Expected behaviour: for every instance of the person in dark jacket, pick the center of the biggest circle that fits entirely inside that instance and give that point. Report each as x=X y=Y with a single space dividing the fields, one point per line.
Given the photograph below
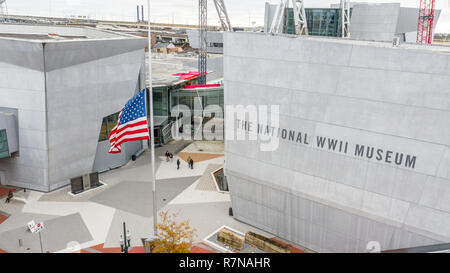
x=9 y=197
x=189 y=162
x=192 y=163
x=178 y=164
x=167 y=156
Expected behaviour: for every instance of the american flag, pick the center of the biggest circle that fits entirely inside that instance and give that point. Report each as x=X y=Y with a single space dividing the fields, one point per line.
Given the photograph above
x=132 y=124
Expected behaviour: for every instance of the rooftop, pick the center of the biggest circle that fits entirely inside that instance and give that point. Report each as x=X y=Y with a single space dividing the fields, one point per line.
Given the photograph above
x=411 y=46
x=165 y=65
x=43 y=33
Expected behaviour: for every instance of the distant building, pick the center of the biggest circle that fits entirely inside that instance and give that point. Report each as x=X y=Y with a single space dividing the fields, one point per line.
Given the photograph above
x=165 y=48
x=214 y=40
x=61 y=89
x=376 y=22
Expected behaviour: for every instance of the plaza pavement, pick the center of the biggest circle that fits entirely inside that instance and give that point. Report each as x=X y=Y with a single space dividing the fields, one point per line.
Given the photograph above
x=91 y=222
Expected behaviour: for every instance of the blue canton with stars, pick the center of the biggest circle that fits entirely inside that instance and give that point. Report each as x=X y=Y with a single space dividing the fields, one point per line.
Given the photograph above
x=134 y=109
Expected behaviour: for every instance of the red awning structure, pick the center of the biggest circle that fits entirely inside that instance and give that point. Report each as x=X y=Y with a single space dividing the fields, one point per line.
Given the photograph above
x=187 y=76
x=201 y=86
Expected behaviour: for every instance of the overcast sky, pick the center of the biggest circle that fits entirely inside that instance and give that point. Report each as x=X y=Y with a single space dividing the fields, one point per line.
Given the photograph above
x=241 y=12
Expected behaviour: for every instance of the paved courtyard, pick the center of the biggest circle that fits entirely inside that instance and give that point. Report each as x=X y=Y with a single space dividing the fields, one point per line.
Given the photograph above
x=91 y=222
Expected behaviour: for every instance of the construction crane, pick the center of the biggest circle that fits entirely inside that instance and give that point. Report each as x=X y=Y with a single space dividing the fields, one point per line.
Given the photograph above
x=203 y=33
x=301 y=26
x=425 y=22
x=278 y=20
x=3 y=8
x=223 y=15
x=345 y=18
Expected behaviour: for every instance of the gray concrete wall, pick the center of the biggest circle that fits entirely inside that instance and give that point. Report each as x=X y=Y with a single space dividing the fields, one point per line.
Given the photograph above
x=382 y=22
x=362 y=93
x=88 y=32
x=269 y=14
x=62 y=91
x=9 y=121
x=105 y=161
x=212 y=37
x=214 y=64
x=377 y=22
x=22 y=86
x=80 y=94
x=408 y=20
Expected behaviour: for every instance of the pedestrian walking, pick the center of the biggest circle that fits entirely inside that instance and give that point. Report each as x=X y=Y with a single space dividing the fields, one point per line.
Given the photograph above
x=9 y=197
x=189 y=162
x=167 y=156
x=192 y=163
x=178 y=164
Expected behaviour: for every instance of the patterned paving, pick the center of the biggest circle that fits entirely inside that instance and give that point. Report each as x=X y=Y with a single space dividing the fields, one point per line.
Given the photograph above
x=56 y=235
x=3 y=216
x=4 y=191
x=137 y=249
x=93 y=221
x=139 y=227
x=198 y=157
x=136 y=197
x=206 y=182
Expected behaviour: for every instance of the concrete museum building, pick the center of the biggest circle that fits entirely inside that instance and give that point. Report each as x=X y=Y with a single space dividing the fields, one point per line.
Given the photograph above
x=61 y=89
x=364 y=140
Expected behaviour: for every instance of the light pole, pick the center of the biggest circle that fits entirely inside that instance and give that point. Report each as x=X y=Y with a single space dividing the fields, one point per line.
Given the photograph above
x=125 y=240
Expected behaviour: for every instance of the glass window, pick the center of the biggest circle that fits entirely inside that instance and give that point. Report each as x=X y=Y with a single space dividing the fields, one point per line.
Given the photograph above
x=107 y=125
x=321 y=22
x=160 y=101
x=4 y=150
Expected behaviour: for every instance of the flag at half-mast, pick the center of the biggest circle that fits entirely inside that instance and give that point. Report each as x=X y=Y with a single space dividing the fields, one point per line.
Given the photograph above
x=132 y=124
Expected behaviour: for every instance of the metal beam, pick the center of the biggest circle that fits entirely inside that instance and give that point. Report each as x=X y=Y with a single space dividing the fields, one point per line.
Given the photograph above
x=223 y=15
x=278 y=20
x=345 y=19
x=3 y=8
x=203 y=50
x=301 y=26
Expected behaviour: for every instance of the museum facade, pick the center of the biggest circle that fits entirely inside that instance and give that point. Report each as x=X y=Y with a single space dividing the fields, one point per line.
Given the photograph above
x=361 y=137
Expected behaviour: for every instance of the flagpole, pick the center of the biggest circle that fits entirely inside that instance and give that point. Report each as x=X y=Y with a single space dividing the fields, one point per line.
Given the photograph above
x=152 y=129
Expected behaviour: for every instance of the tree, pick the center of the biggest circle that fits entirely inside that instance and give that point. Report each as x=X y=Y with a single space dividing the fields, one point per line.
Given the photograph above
x=173 y=237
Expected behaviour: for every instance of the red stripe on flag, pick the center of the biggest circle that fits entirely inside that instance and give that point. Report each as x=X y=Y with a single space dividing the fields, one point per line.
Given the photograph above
x=120 y=135
x=131 y=139
x=138 y=131
x=117 y=131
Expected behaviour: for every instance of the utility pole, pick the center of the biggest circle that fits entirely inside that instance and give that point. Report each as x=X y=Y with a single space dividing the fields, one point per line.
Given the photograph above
x=152 y=126
x=125 y=239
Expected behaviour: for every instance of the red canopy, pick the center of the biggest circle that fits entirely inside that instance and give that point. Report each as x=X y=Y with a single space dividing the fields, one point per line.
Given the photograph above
x=187 y=76
x=201 y=86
